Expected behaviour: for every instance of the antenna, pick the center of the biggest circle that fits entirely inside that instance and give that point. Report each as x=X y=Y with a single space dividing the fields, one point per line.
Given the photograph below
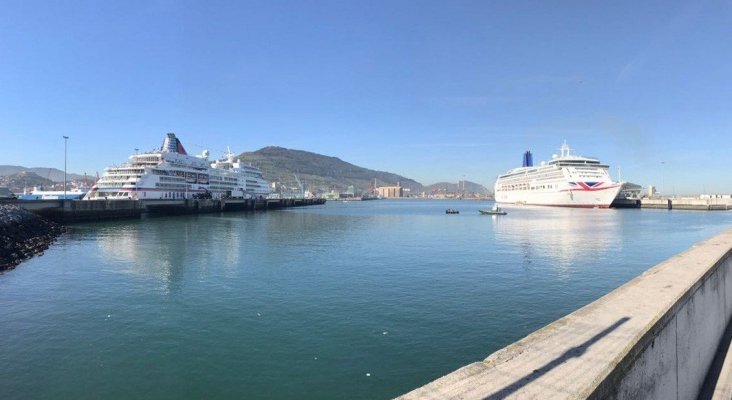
x=565 y=149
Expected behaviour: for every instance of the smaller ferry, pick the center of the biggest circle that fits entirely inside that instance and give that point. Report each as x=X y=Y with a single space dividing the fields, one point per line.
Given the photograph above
x=40 y=194
x=452 y=211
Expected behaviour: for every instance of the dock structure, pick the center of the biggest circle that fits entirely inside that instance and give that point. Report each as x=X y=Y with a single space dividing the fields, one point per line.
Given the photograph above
x=68 y=211
x=675 y=203
x=688 y=203
x=663 y=335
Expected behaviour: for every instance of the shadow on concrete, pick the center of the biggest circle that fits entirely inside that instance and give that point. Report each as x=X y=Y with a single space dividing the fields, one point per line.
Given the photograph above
x=573 y=352
x=715 y=370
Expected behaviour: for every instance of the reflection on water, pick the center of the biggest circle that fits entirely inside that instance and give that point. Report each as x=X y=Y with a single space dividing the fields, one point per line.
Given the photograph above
x=565 y=236
x=169 y=247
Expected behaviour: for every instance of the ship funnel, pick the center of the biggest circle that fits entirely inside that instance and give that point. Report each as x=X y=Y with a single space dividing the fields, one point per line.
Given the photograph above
x=173 y=145
x=528 y=159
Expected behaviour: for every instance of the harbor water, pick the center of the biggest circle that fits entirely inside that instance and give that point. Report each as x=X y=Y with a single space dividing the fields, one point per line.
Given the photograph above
x=356 y=300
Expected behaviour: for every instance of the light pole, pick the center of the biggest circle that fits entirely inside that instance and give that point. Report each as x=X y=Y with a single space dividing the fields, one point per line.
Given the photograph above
x=66 y=140
x=663 y=176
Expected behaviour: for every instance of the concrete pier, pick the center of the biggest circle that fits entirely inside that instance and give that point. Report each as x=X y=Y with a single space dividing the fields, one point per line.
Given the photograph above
x=687 y=203
x=653 y=338
x=67 y=211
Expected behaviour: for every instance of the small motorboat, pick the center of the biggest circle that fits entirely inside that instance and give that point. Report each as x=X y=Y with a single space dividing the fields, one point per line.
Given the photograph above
x=493 y=211
x=451 y=211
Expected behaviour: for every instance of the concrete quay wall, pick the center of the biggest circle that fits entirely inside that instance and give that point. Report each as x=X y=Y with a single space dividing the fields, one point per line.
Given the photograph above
x=688 y=204
x=64 y=211
x=653 y=338
x=67 y=211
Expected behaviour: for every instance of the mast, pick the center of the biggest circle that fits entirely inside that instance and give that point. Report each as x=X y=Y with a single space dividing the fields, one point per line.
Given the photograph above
x=565 y=149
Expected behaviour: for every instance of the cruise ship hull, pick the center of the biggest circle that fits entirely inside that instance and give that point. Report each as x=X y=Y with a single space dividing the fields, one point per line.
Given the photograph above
x=598 y=198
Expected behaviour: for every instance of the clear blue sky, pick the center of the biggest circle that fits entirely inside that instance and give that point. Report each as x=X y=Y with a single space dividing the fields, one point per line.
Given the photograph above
x=435 y=91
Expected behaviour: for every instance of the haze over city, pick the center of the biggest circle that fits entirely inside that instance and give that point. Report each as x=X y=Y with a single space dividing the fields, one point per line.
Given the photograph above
x=434 y=91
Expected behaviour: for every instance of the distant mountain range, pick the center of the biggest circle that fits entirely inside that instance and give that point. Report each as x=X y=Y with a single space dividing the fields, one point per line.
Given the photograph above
x=460 y=187
x=25 y=179
x=323 y=173
x=55 y=175
x=286 y=166
x=320 y=172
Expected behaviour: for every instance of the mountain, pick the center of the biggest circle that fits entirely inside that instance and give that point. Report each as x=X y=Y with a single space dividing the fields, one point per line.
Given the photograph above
x=25 y=179
x=55 y=175
x=460 y=187
x=320 y=173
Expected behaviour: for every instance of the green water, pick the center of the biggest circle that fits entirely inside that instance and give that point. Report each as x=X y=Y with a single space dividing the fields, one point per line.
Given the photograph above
x=360 y=300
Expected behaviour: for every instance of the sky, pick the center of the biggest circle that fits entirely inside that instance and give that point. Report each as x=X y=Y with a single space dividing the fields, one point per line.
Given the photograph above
x=431 y=90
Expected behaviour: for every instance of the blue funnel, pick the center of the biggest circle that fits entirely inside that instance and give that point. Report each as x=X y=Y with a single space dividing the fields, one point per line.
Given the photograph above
x=528 y=159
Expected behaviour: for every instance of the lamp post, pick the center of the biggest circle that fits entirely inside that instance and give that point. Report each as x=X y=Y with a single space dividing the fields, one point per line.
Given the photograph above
x=663 y=175
x=66 y=140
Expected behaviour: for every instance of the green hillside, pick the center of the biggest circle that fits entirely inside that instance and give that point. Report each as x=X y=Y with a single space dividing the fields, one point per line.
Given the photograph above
x=24 y=179
x=460 y=187
x=54 y=174
x=318 y=172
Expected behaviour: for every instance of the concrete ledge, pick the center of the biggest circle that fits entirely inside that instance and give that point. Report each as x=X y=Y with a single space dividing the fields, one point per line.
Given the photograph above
x=656 y=203
x=65 y=211
x=682 y=203
x=653 y=338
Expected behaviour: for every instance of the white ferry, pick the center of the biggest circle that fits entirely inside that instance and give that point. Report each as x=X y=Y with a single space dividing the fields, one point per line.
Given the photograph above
x=38 y=194
x=171 y=173
x=567 y=181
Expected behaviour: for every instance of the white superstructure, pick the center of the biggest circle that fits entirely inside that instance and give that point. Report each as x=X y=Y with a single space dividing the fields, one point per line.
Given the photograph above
x=171 y=173
x=567 y=180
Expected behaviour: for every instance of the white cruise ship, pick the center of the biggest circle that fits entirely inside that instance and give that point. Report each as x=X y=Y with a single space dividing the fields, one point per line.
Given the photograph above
x=566 y=181
x=171 y=173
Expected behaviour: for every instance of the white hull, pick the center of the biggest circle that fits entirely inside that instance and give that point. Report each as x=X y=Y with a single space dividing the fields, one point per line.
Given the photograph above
x=568 y=198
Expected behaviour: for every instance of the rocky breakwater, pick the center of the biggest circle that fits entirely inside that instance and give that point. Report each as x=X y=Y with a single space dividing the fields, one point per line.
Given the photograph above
x=23 y=235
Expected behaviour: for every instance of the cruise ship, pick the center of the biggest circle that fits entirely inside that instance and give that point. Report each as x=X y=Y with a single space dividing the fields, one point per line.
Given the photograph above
x=566 y=181
x=171 y=173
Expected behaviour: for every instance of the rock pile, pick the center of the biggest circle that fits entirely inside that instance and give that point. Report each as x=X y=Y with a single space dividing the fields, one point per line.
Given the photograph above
x=23 y=234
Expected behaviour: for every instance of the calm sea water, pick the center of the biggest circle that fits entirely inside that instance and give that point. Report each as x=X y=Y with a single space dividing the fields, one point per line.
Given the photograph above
x=359 y=300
